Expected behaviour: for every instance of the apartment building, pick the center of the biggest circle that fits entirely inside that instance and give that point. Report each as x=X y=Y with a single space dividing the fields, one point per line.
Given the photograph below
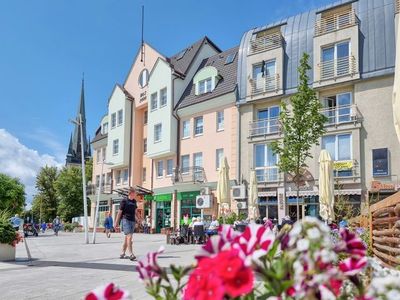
x=352 y=72
x=207 y=134
x=168 y=80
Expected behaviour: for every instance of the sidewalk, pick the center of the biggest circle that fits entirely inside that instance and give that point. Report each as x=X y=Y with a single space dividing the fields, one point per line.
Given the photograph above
x=64 y=267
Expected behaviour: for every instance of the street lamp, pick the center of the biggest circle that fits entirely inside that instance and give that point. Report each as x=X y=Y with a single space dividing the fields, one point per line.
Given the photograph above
x=85 y=212
x=96 y=215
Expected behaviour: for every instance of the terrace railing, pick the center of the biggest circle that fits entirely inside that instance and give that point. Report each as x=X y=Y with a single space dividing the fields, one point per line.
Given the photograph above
x=264 y=84
x=264 y=127
x=335 y=22
x=342 y=66
x=266 y=43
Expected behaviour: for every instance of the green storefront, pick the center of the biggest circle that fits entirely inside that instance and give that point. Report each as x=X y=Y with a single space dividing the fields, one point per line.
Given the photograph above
x=163 y=211
x=188 y=204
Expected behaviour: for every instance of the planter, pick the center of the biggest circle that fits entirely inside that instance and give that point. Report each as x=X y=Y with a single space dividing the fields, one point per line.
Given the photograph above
x=7 y=252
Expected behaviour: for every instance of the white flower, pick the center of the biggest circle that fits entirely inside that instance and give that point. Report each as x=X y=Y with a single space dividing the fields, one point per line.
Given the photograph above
x=303 y=245
x=393 y=295
x=313 y=233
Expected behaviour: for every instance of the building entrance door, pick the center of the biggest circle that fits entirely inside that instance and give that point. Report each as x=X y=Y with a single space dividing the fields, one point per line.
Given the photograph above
x=292 y=211
x=163 y=215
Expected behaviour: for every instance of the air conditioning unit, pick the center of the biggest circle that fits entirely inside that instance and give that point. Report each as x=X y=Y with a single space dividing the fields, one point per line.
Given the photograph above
x=239 y=192
x=205 y=190
x=241 y=205
x=203 y=201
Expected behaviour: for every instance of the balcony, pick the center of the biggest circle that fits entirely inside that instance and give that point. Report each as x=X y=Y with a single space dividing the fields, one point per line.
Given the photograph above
x=335 y=22
x=397 y=6
x=266 y=43
x=264 y=127
x=340 y=67
x=92 y=189
x=264 y=84
x=189 y=175
x=267 y=174
x=341 y=115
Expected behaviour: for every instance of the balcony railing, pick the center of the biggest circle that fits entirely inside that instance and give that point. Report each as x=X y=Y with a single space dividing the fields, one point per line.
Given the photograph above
x=335 y=22
x=92 y=189
x=265 y=43
x=267 y=174
x=340 y=114
x=264 y=84
x=345 y=168
x=338 y=67
x=397 y=8
x=264 y=127
x=189 y=175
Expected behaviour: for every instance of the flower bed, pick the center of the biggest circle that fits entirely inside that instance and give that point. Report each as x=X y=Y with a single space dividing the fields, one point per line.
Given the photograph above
x=302 y=262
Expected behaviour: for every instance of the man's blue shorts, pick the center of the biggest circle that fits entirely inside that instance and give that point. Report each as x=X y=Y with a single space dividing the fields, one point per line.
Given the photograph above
x=128 y=227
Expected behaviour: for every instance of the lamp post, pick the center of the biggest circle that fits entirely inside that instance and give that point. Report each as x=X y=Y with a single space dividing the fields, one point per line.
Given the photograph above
x=85 y=212
x=96 y=215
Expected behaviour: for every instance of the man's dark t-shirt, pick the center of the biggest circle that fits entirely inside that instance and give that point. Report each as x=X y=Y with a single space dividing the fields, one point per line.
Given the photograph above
x=128 y=208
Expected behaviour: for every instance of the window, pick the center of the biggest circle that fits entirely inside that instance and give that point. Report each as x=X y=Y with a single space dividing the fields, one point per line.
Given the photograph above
x=205 y=86
x=219 y=155
x=230 y=58
x=97 y=180
x=143 y=78
x=185 y=162
x=265 y=163
x=339 y=147
x=380 y=162
x=170 y=167
x=118 y=177
x=198 y=126
x=153 y=101
x=267 y=121
x=264 y=76
x=160 y=168
x=144 y=174
x=115 y=146
x=335 y=60
x=145 y=117
x=145 y=145
x=120 y=117
x=338 y=108
x=163 y=97
x=198 y=165
x=157 y=132
x=104 y=154
x=108 y=182
x=113 y=120
x=98 y=155
x=125 y=175
x=105 y=128
x=186 y=129
x=220 y=120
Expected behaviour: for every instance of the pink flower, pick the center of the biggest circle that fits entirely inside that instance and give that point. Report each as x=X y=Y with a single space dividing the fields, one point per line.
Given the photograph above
x=351 y=266
x=218 y=243
x=107 y=292
x=255 y=242
x=148 y=267
x=241 y=283
x=351 y=244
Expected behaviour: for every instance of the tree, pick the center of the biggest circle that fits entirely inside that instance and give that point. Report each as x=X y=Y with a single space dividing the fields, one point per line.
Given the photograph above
x=12 y=194
x=89 y=169
x=302 y=128
x=69 y=191
x=45 y=203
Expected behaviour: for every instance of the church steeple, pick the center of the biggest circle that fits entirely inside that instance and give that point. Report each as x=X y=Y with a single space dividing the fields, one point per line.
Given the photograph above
x=74 y=150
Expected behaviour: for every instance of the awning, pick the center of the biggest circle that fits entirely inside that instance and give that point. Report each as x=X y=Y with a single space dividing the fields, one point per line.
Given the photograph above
x=162 y=197
x=267 y=194
x=139 y=190
x=348 y=192
x=301 y=193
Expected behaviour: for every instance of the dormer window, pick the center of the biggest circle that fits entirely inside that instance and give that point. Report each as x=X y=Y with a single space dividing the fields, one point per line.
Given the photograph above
x=105 y=128
x=266 y=40
x=335 y=19
x=205 y=86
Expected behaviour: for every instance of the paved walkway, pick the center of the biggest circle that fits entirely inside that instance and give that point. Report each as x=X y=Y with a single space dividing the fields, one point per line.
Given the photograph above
x=64 y=267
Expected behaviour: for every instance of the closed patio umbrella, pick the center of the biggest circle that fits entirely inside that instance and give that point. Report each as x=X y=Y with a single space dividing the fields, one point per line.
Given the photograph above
x=253 y=196
x=396 y=86
x=223 y=187
x=325 y=181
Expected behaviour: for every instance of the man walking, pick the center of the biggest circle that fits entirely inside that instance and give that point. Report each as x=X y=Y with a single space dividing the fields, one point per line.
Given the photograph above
x=16 y=222
x=127 y=216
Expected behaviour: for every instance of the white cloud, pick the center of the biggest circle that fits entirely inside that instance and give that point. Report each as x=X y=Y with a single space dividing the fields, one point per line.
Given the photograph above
x=17 y=160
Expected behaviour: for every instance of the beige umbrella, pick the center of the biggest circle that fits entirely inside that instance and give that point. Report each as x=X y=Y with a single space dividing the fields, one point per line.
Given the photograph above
x=326 y=200
x=253 y=196
x=223 y=187
x=396 y=85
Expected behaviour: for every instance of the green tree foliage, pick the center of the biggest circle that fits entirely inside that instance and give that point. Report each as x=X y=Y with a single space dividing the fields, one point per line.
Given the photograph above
x=45 y=203
x=12 y=194
x=89 y=169
x=303 y=125
x=69 y=191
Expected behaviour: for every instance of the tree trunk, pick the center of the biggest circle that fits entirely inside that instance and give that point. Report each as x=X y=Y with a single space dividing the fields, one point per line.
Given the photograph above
x=297 y=202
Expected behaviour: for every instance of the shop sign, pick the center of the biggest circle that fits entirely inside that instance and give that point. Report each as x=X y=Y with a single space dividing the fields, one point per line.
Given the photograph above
x=163 y=197
x=342 y=165
x=188 y=195
x=143 y=96
x=379 y=186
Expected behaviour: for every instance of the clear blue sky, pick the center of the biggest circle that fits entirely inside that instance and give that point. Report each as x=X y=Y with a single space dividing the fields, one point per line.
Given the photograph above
x=47 y=44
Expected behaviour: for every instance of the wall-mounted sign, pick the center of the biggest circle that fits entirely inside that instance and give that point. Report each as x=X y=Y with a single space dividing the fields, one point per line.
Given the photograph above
x=380 y=162
x=342 y=165
x=143 y=96
x=379 y=186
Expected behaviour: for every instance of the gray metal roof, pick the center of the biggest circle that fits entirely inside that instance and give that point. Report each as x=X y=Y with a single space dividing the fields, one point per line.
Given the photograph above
x=377 y=41
x=226 y=84
x=99 y=136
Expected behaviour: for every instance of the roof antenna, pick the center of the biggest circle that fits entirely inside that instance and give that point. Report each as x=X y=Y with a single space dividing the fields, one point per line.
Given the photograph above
x=142 y=46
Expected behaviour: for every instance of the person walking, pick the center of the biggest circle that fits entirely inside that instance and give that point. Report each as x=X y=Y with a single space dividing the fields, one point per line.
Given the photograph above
x=108 y=224
x=43 y=226
x=127 y=216
x=56 y=225
x=16 y=222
